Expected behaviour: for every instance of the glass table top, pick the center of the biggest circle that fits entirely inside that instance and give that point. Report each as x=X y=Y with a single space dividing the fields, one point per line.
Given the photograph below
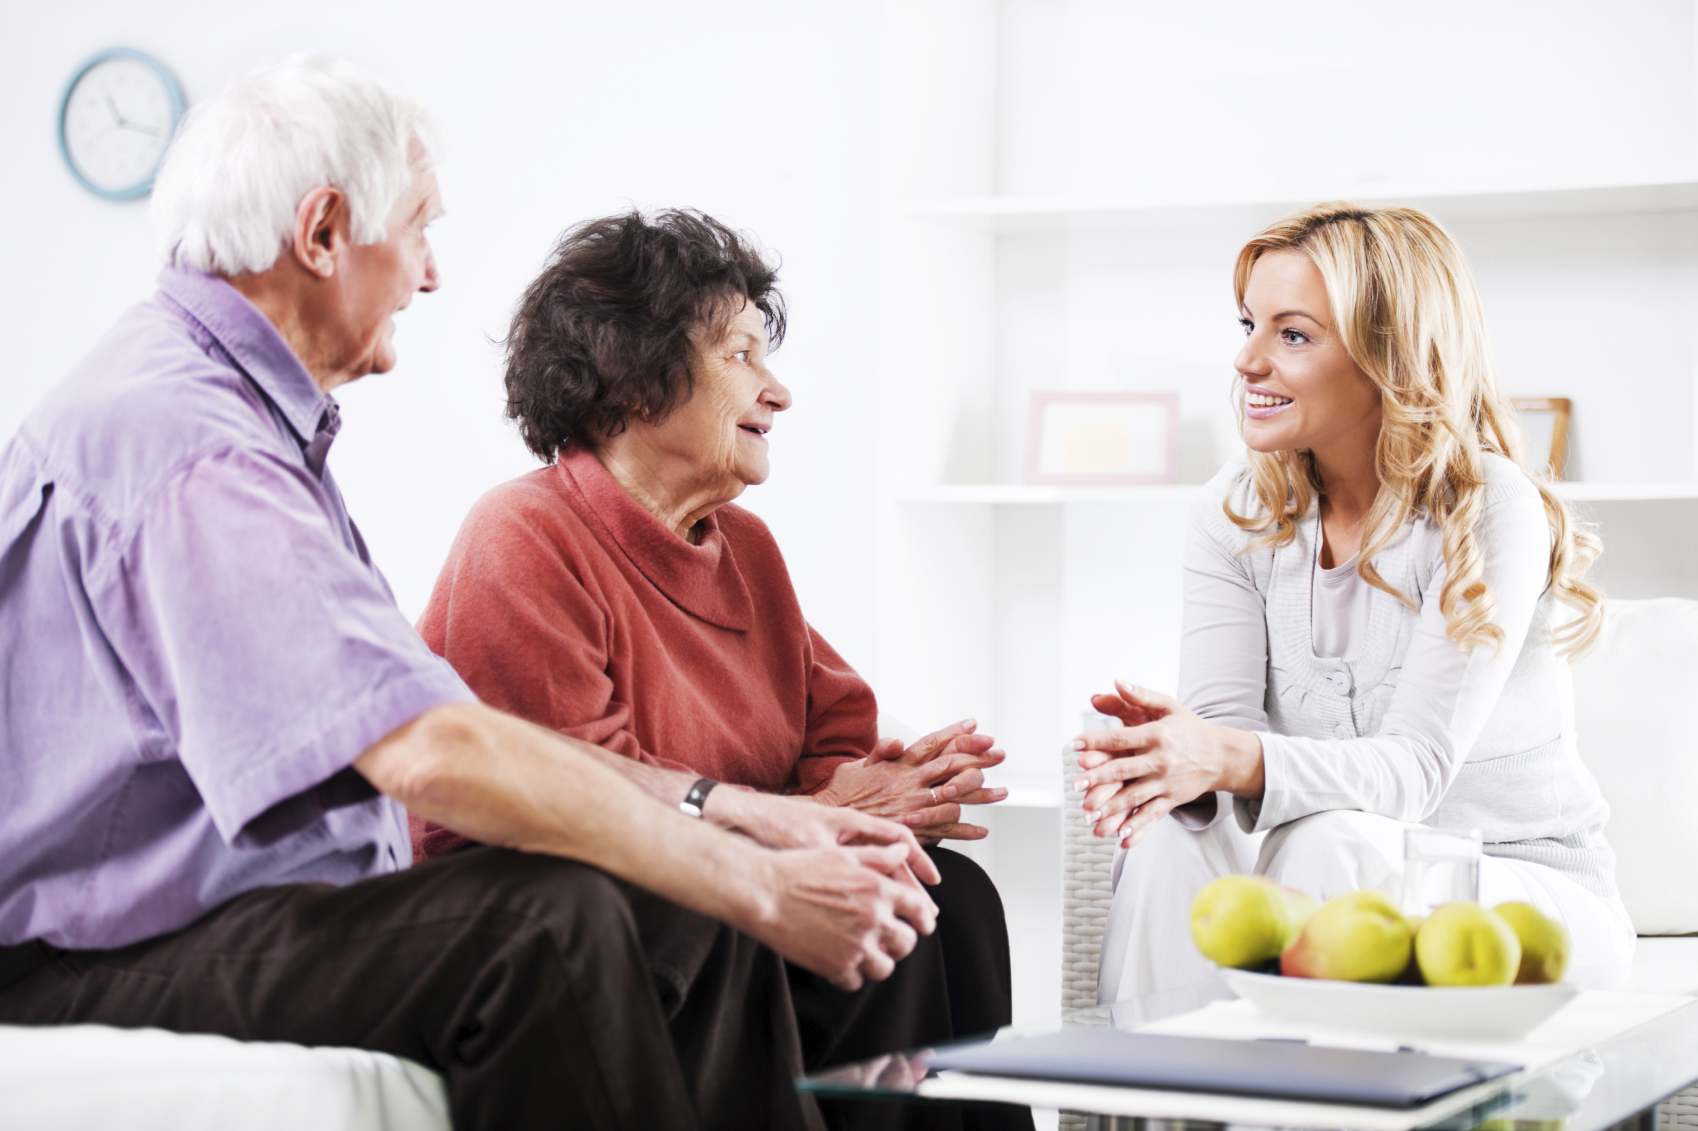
x=1593 y=1090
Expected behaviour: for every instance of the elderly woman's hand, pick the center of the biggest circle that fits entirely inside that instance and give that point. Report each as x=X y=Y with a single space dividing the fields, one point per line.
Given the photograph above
x=924 y=785
x=1164 y=757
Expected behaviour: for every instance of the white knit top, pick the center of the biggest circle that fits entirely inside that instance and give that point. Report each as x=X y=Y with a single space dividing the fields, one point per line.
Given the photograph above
x=1405 y=723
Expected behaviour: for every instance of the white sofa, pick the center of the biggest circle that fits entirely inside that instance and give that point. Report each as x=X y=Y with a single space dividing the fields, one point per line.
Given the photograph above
x=1630 y=695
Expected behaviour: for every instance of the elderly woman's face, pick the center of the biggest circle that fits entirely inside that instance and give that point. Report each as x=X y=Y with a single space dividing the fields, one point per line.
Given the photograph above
x=721 y=430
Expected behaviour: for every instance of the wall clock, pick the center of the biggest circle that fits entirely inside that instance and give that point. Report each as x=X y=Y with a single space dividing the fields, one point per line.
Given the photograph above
x=118 y=114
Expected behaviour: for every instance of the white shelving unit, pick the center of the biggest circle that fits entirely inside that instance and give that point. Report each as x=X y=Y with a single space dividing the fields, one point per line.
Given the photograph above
x=1017 y=214
x=1046 y=227
x=1049 y=495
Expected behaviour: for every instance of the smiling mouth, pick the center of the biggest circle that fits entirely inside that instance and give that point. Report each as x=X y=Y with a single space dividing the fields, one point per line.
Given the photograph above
x=1265 y=400
x=756 y=429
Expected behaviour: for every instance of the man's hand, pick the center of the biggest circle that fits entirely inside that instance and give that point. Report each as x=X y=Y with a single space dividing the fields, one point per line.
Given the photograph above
x=792 y=822
x=924 y=785
x=1164 y=757
x=847 y=914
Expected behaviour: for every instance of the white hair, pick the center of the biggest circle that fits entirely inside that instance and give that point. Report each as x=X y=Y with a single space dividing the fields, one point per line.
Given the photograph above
x=225 y=198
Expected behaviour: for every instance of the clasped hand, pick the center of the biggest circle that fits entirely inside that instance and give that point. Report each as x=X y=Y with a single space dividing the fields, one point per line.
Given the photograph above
x=924 y=785
x=1164 y=756
x=846 y=902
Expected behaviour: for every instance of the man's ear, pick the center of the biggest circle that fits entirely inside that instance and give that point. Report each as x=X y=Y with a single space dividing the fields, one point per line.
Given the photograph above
x=321 y=230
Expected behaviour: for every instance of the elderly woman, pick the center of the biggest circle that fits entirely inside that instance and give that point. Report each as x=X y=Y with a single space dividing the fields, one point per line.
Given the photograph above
x=1380 y=600
x=617 y=595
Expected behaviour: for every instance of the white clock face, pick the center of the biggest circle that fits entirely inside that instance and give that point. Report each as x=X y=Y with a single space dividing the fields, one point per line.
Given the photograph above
x=117 y=121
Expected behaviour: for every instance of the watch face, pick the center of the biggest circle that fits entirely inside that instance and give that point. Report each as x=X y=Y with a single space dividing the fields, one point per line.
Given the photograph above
x=116 y=120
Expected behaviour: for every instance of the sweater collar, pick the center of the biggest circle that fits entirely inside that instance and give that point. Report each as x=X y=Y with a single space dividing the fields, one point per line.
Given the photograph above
x=703 y=580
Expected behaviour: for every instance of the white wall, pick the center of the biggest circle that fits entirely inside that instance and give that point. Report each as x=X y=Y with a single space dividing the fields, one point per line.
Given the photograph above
x=759 y=111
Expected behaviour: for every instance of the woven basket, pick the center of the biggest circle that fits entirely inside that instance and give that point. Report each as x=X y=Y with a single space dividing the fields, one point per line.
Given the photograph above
x=1086 y=890
x=1678 y=1111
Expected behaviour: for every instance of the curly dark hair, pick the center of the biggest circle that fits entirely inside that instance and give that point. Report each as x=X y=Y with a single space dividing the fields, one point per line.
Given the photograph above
x=606 y=330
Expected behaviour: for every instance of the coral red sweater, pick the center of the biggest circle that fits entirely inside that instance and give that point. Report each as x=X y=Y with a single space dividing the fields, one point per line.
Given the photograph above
x=566 y=603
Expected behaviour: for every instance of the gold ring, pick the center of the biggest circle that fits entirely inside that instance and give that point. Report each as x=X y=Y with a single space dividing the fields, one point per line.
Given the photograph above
x=934 y=795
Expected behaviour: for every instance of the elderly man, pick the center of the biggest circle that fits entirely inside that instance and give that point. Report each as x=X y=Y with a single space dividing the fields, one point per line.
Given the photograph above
x=213 y=712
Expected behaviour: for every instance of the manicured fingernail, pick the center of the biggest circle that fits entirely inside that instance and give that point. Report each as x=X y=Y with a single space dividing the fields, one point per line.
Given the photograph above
x=969 y=722
x=1078 y=744
x=1091 y=815
x=999 y=793
x=1083 y=785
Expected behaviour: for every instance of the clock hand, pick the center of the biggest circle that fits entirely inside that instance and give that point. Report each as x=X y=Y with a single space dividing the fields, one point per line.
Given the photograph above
x=129 y=125
x=113 y=106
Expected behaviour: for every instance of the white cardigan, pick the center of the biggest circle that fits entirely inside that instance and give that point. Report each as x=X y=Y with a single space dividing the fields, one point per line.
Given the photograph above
x=1408 y=726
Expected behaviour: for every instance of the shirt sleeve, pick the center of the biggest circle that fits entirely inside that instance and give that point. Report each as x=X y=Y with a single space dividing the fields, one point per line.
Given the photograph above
x=842 y=717
x=528 y=633
x=266 y=652
x=1444 y=696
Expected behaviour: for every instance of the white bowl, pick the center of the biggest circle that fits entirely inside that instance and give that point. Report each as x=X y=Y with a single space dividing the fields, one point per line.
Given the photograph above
x=1460 y=1013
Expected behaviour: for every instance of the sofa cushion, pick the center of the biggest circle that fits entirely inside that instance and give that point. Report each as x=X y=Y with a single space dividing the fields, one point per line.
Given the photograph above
x=82 y=1077
x=1631 y=695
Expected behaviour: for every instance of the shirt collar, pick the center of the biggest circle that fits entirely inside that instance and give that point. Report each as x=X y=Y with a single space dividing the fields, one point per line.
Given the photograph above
x=254 y=344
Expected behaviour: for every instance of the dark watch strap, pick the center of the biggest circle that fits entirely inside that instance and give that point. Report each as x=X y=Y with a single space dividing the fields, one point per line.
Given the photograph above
x=693 y=801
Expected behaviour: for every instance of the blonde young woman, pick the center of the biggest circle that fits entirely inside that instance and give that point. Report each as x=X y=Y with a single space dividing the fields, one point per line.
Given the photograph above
x=1380 y=604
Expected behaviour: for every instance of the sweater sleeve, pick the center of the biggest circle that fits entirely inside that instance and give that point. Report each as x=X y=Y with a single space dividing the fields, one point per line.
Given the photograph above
x=1444 y=695
x=842 y=717
x=528 y=633
x=1223 y=649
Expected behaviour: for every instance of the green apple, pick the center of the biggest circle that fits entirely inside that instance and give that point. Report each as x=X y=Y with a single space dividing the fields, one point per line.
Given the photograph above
x=1463 y=944
x=1358 y=937
x=1544 y=943
x=1245 y=921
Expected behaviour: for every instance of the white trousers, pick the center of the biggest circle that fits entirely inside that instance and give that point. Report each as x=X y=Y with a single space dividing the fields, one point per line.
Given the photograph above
x=1149 y=963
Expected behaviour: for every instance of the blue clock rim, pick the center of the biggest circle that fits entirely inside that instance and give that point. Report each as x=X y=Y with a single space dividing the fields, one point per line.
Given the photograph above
x=178 y=105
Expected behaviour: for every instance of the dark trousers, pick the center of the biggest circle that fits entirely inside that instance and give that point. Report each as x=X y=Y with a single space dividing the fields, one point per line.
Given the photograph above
x=956 y=984
x=546 y=993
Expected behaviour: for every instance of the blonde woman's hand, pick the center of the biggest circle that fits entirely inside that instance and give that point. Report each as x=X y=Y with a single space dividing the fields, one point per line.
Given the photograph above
x=1163 y=757
x=923 y=786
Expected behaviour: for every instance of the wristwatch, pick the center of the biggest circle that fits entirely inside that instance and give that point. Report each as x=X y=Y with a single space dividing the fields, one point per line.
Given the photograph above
x=693 y=801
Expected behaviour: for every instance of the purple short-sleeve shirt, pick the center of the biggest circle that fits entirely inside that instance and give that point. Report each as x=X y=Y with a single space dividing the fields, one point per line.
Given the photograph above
x=194 y=643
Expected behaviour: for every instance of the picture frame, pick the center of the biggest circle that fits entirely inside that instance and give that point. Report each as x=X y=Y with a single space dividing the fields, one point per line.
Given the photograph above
x=1102 y=438
x=1544 y=423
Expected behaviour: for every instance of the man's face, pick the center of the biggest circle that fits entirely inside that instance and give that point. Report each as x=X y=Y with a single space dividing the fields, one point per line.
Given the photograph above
x=380 y=278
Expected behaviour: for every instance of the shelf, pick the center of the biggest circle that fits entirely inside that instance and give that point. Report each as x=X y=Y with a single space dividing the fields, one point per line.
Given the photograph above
x=1626 y=492
x=1058 y=213
x=1027 y=797
x=1047 y=494
x=1187 y=493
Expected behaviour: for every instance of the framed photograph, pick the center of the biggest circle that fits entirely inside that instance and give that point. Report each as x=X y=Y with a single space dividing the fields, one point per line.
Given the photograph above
x=1103 y=438
x=1544 y=422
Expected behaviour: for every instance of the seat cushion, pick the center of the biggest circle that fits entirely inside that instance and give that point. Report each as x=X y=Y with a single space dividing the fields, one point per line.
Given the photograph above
x=1631 y=695
x=94 y=1078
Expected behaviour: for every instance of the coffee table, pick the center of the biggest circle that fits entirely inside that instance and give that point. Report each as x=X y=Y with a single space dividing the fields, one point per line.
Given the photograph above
x=1616 y=1083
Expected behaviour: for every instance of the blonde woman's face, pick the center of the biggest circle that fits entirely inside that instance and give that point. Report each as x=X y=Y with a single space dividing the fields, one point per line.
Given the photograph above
x=1301 y=388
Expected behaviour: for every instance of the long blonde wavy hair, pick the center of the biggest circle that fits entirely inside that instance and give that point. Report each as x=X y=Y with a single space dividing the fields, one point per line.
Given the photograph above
x=1404 y=302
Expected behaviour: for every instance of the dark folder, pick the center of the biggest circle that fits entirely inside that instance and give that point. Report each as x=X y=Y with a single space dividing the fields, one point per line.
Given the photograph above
x=1280 y=1069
